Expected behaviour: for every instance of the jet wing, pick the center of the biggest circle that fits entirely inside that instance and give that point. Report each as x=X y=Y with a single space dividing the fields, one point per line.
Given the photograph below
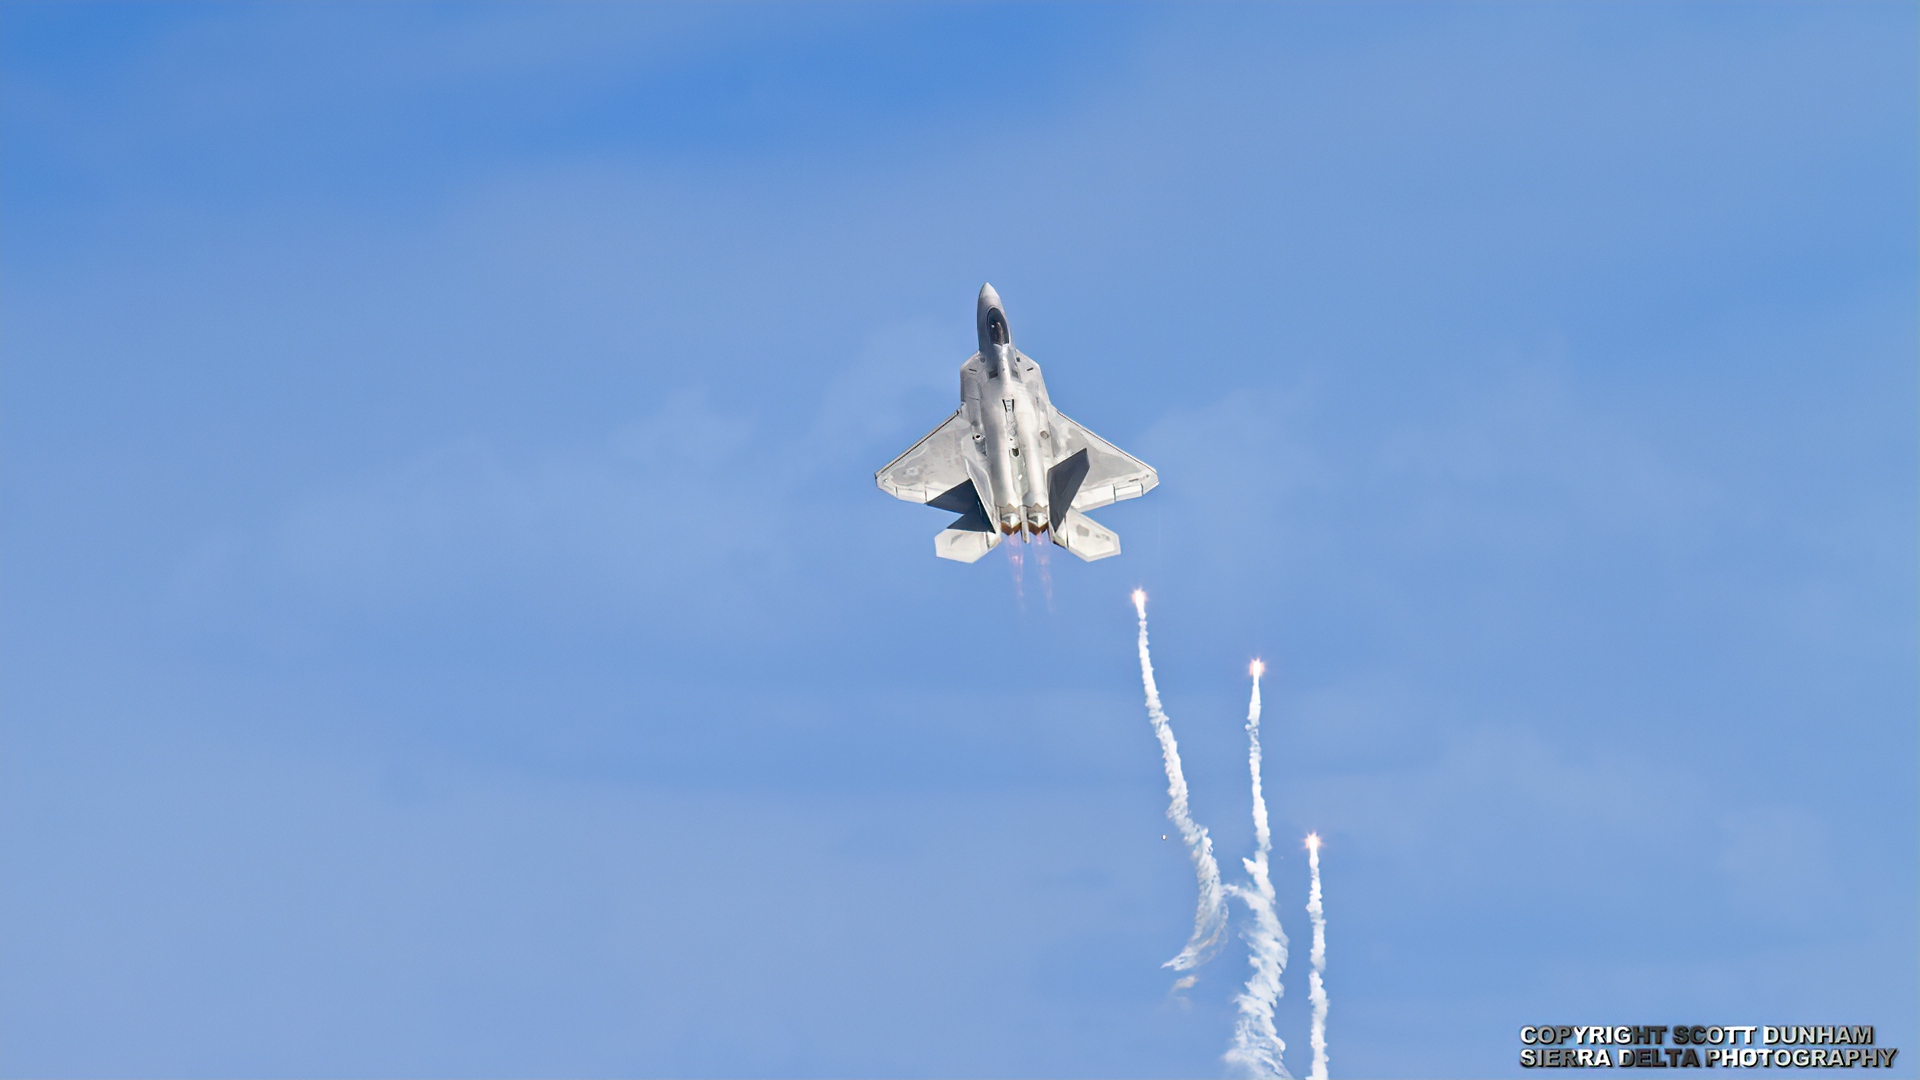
x=1112 y=474
x=934 y=466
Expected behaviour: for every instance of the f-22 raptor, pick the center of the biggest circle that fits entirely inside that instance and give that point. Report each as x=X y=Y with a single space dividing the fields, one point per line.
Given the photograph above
x=1009 y=463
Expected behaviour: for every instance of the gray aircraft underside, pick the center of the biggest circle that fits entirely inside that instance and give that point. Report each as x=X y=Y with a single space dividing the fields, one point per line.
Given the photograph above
x=1008 y=462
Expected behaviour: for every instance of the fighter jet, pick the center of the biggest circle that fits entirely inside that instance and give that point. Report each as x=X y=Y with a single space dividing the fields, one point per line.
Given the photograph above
x=1009 y=463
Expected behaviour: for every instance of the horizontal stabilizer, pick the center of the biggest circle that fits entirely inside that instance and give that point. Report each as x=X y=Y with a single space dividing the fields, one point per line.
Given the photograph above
x=964 y=545
x=1086 y=537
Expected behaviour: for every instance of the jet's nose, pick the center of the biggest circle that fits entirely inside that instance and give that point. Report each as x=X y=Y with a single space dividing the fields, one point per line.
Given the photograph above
x=991 y=319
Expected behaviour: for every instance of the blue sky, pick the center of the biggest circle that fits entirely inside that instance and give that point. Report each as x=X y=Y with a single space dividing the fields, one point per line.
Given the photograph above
x=449 y=627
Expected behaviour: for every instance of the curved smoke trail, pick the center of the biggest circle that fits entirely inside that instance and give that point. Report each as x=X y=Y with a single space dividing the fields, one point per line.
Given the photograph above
x=1257 y=1046
x=1317 y=992
x=1210 y=917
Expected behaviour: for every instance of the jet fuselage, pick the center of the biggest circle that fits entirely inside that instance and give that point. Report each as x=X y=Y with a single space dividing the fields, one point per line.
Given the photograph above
x=1005 y=401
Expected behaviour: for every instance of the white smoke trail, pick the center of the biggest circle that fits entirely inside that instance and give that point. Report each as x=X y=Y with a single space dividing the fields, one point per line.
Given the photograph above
x=1317 y=991
x=1257 y=1046
x=1210 y=917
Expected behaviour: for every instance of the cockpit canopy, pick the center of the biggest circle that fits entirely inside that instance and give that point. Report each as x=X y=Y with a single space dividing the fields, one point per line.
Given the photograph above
x=997 y=328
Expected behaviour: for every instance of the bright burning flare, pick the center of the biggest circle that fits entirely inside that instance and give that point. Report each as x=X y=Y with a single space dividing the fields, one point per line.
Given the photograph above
x=1140 y=602
x=1313 y=841
x=1257 y=668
